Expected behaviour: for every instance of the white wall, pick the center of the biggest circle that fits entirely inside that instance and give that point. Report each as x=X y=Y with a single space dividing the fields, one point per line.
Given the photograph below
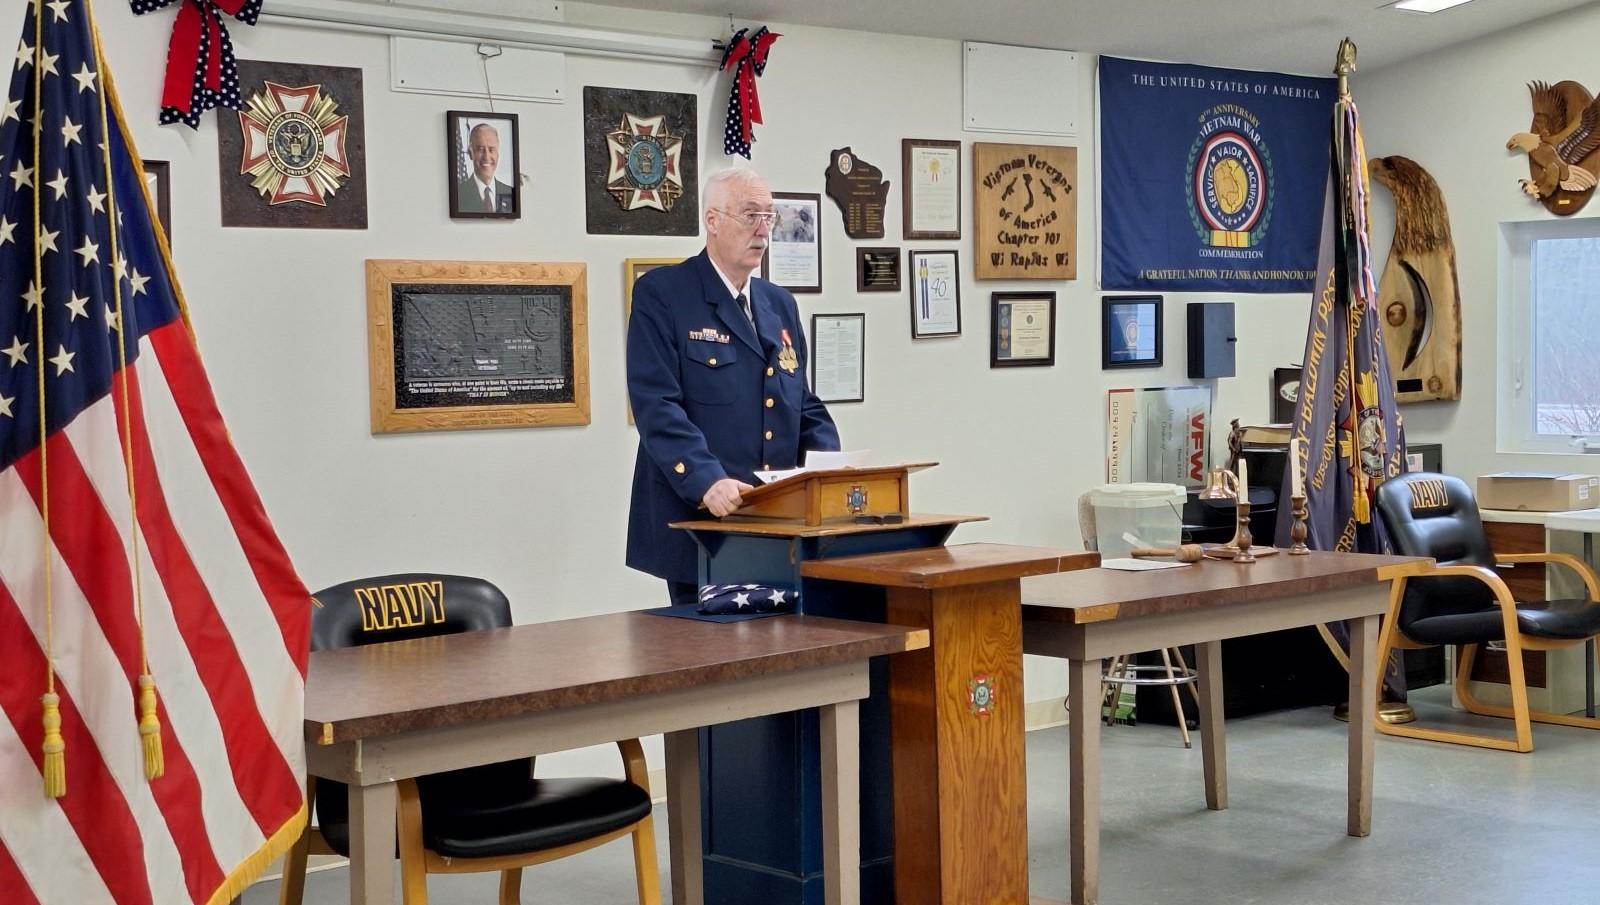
x=280 y=316
x=1451 y=112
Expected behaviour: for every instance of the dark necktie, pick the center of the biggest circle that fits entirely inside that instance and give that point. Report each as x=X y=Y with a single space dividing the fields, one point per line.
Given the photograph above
x=744 y=305
x=488 y=200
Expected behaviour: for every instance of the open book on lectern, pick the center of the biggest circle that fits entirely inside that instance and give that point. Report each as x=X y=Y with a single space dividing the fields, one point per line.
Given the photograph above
x=824 y=490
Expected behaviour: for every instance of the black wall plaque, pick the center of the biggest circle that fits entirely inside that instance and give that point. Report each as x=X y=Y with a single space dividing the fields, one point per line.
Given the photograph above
x=614 y=141
x=458 y=344
x=877 y=269
x=297 y=152
x=859 y=189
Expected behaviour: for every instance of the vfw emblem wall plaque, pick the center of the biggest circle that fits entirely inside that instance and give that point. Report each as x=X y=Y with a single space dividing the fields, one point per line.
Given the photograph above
x=294 y=144
x=646 y=163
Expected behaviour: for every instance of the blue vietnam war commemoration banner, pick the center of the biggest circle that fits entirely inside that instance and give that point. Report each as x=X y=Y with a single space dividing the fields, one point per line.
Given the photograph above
x=1211 y=179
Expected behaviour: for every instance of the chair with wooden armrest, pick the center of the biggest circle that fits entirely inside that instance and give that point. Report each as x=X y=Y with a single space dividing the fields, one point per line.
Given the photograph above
x=1464 y=603
x=496 y=817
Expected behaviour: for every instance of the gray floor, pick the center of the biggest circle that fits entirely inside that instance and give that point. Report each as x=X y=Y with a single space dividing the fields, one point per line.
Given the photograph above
x=1450 y=825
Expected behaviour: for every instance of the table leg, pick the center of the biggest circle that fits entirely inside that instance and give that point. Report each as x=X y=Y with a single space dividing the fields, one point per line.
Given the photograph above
x=372 y=862
x=683 y=816
x=1213 y=744
x=1083 y=780
x=1365 y=673
x=840 y=727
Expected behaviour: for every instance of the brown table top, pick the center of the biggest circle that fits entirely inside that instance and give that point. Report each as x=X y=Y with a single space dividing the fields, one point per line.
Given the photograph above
x=736 y=524
x=1097 y=595
x=944 y=567
x=426 y=683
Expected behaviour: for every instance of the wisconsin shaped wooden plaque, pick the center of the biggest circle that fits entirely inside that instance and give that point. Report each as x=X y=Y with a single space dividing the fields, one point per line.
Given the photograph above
x=1025 y=211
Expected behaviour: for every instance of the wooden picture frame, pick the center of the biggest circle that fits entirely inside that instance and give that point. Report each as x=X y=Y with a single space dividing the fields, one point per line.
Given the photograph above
x=877 y=268
x=474 y=344
x=1022 y=329
x=935 y=279
x=1130 y=331
x=459 y=165
x=796 y=238
x=824 y=353
x=158 y=179
x=632 y=270
x=916 y=202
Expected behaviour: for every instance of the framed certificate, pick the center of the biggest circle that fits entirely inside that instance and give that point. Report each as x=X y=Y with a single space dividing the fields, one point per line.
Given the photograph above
x=935 y=293
x=838 y=357
x=794 y=254
x=1022 y=329
x=930 y=188
x=1130 y=334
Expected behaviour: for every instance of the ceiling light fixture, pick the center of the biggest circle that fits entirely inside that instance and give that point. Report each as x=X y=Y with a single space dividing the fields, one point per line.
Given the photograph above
x=1426 y=6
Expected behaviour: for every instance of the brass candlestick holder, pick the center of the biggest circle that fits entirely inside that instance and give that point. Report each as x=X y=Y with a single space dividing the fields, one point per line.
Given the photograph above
x=1297 y=527
x=1243 y=538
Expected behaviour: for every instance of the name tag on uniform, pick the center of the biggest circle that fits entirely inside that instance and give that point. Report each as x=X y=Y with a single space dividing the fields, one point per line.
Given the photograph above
x=710 y=335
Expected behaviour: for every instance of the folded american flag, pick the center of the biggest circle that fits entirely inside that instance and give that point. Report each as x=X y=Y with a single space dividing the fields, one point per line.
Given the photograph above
x=726 y=599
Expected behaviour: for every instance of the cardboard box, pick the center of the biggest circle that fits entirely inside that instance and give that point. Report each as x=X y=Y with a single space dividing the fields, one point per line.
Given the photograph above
x=1538 y=491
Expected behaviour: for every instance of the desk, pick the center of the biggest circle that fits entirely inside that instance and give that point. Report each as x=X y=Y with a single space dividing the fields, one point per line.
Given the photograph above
x=385 y=712
x=1088 y=616
x=1587 y=523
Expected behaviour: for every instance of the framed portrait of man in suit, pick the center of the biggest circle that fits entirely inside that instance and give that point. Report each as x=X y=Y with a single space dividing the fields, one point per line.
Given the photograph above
x=482 y=165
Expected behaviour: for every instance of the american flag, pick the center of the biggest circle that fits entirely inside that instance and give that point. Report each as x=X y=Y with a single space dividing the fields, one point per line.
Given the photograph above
x=132 y=542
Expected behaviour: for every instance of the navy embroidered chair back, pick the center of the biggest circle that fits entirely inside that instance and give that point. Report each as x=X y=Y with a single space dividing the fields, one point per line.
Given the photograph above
x=494 y=817
x=1465 y=602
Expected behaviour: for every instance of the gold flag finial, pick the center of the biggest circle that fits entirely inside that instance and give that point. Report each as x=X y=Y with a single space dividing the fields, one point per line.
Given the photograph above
x=1344 y=65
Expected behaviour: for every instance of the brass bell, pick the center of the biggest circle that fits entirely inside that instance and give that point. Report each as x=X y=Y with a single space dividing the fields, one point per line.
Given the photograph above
x=1221 y=484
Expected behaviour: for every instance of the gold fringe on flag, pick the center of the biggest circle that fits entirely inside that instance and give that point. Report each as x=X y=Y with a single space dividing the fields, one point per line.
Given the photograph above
x=55 y=748
x=150 y=728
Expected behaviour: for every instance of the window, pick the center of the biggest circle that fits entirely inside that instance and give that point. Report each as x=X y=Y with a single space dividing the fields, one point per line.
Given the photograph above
x=1550 y=330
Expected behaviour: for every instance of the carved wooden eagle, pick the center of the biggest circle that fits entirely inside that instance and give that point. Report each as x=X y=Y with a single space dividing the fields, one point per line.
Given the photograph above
x=1563 y=147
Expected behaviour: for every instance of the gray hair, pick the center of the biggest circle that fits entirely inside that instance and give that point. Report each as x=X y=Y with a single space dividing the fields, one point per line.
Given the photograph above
x=483 y=126
x=717 y=188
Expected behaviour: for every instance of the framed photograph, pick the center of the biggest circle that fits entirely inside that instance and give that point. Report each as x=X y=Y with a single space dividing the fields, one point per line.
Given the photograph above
x=930 y=188
x=158 y=179
x=839 y=357
x=482 y=165
x=1130 y=334
x=1022 y=329
x=1285 y=393
x=877 y=269
x=935 y=293
x=632 y=270
x=794 y=256
x=471 y=344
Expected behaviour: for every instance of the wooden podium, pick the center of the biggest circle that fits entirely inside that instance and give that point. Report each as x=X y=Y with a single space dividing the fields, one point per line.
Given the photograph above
x=760 y=778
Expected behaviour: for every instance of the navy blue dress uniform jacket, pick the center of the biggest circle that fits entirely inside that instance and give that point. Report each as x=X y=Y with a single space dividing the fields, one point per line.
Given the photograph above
x=712 y=400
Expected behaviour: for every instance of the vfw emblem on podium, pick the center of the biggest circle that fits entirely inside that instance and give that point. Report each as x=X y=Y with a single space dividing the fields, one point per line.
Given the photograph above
x=980 y=694
x=856 y=499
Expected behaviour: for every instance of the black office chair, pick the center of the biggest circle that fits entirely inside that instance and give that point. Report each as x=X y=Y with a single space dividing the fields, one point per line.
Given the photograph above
x=1465 y=603
x=494 y=817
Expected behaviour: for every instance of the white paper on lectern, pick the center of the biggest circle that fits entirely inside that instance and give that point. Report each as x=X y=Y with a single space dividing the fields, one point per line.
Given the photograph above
x=819 y=460
x=1138 y=565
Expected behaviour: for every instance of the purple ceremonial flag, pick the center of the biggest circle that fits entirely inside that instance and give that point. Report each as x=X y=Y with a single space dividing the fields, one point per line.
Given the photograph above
x=1350 y=432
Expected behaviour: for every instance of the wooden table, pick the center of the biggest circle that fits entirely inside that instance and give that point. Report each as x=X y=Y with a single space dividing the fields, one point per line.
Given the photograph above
x=385 y=712
x=955 y=716
x=1091 y=615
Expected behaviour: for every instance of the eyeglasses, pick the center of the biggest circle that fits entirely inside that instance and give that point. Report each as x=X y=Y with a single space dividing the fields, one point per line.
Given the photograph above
x=751 y=219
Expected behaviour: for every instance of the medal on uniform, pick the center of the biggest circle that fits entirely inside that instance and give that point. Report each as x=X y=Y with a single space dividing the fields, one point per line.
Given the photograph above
x=786 y=357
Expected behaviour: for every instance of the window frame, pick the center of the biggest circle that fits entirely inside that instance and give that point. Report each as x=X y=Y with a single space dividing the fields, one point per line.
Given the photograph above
x=1514 y=406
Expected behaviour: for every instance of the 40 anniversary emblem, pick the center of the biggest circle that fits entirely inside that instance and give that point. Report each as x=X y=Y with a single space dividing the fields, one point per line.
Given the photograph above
x=645 y=166
x=1230 y=179
x=294 y=144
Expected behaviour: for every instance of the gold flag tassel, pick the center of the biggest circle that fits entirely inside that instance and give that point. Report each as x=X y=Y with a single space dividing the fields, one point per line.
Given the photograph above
x=150 y=728
x=55 y=748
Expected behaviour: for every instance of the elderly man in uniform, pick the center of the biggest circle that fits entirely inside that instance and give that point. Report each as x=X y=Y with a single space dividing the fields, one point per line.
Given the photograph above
x=717 y=377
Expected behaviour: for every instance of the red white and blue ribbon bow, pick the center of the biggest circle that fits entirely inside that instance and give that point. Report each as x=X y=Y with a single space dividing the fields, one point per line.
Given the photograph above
x=747 y=57
x=201 y=72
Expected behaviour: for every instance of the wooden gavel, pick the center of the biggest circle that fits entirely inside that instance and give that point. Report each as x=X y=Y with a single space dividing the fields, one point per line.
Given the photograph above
x=1184 y=553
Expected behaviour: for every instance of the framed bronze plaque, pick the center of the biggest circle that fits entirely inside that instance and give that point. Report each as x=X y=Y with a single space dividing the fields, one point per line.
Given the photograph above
x=467 y=344
x=1025 y=211
x=877 y=269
